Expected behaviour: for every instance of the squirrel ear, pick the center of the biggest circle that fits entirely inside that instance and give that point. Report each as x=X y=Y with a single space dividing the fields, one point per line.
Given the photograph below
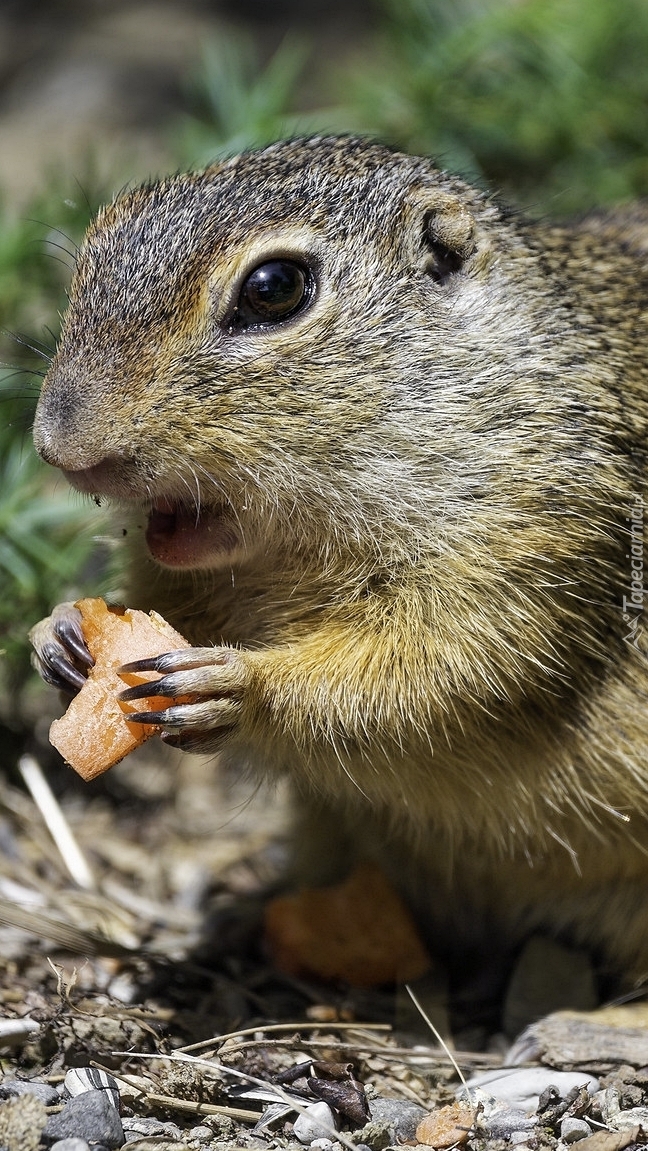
x=446 y=236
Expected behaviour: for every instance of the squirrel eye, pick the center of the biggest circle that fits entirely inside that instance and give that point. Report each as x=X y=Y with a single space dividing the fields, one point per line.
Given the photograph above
x=273 y=292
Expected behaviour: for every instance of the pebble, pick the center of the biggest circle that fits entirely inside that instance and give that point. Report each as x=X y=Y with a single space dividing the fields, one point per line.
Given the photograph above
x=315 y=1122
x=322 y=1144
x=10 y=1088
x=402 y=1117
x=503 y=1123
x=201 y=1133
x=375 y=1134
x=139 y=1126
x=519 y=1139
x=73 y=1144
x=13 y=1032
x=522 y=1089
x=81 y=1079
x=91 y=1116
x=632 y=1117
x=571 y=1130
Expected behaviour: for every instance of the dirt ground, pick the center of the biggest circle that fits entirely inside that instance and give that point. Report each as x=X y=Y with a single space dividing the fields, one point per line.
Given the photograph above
x=132 y=945
x=145 y=935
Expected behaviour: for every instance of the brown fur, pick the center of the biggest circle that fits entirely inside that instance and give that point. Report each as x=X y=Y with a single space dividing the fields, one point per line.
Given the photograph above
x=429 y=478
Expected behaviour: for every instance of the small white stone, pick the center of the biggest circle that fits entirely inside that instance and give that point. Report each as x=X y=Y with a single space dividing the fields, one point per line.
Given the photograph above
x=488 y=1103
x=315 y=1122
x=123 y=988
x=13 y=1032
x=201 y=1133
x=322 y=1144
x=72 y=1143
x=633 y=1117
x=523 y=1088
x=81 y=1079
x=571 y=1129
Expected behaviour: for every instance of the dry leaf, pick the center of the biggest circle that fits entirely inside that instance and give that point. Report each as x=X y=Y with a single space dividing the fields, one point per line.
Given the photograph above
x=612 y=1140
x=358 y=931
x=448 y=1126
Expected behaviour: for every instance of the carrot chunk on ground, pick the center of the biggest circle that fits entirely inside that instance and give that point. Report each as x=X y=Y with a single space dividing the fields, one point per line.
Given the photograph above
x=358 y=931
x=94 y=734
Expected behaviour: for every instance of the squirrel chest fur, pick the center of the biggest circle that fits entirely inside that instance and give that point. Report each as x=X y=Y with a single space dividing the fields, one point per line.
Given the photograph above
x=385 y=442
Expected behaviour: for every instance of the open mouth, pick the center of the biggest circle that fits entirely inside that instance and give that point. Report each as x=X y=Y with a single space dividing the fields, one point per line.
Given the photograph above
x=180 y=536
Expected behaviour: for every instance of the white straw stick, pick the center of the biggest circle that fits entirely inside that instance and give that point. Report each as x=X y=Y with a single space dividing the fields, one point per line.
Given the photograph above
x=57 y=825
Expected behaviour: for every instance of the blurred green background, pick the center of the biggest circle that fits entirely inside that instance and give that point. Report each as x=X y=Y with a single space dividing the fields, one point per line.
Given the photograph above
x=545 y=100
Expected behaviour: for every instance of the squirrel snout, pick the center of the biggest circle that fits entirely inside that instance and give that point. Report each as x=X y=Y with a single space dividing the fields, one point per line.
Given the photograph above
x=107 y=475
x=65 y=434
x=63 y=445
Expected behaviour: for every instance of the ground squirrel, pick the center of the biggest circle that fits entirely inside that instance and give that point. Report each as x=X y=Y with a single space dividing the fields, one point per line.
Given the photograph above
x=391 y=441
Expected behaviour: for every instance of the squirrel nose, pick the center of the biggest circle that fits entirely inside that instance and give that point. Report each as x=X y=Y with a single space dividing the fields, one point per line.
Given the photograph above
x=59 y=435
x=53 y=448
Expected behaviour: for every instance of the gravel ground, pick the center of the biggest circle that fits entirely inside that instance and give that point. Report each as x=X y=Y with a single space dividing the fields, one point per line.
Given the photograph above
x=137 y=1005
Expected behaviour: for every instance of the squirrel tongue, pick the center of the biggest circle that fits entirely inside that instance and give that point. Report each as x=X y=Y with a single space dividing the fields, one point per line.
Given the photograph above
x=183 y=537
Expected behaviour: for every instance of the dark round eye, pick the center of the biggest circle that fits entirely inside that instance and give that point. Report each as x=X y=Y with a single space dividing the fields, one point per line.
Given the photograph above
x=273 y=292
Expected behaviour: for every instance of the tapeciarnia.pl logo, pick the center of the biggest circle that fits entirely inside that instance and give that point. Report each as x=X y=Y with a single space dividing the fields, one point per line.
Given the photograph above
x=633 y=604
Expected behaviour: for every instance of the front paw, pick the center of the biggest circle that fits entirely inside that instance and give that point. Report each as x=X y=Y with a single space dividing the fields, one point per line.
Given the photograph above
x=211 y=687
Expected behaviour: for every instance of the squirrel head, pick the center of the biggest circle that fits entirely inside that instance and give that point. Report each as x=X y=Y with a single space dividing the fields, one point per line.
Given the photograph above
x=324 y=340
x=267 y=327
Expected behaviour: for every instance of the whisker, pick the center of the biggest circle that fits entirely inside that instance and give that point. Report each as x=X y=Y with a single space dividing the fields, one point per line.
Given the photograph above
x=84 y=194
x=50 y=229
x=25 y=344
x=223 y=496
x=28 y=401
x=64 y=263
x=41 y=344
x=18 y=371
x=60 y=247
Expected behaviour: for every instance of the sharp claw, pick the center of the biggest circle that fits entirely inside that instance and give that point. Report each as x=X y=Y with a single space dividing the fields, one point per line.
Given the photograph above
x=50 y=677
x=149 y=717
x=193 y=742
x=142 y=691
x=53 y=661
x=175 y=738
x=75 y=679
x=150 y=664
x=72 y=637
x=182 y=741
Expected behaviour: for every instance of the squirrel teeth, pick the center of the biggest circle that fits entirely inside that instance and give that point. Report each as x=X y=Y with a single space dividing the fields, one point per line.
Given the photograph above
x=179 y=536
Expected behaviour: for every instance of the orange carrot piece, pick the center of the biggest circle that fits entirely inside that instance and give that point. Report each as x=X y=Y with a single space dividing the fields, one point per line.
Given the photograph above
x=94 y=734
